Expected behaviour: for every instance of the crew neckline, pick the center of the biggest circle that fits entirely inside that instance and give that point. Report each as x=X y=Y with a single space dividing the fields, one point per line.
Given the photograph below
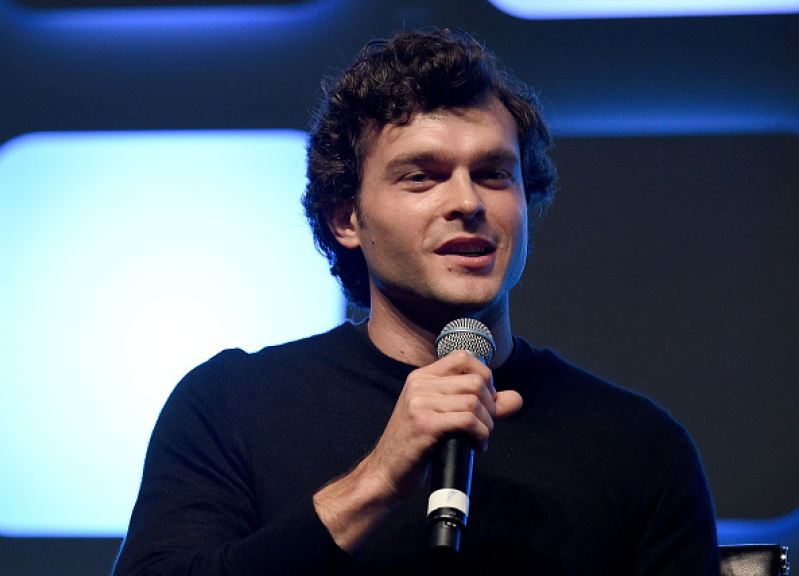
x=520 y=358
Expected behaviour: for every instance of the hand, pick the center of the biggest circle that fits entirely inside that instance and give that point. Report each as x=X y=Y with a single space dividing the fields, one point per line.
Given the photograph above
x=454 y=394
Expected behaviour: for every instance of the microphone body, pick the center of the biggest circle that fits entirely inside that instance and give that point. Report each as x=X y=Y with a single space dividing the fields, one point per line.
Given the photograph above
x=453 y=457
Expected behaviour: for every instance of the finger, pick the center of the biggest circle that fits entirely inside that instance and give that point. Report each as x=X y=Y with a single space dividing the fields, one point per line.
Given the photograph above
x=472 y=387
x=508 y=402
x=468 y=404
x=458 y=362
x=470 y=424
x=453 y=396
x=458 y=383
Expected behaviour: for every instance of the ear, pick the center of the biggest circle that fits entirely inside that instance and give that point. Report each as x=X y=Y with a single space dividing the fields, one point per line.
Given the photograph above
x=344 y=226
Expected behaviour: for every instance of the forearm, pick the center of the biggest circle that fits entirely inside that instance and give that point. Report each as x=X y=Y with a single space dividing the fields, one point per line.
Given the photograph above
x=287 y=545
x=352 y=506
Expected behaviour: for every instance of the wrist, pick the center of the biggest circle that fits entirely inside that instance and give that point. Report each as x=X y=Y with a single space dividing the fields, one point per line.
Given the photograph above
x=352 y=506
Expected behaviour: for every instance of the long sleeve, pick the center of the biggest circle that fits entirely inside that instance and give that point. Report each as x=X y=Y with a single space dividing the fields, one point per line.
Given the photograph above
x=679 y=534
x=197 y=512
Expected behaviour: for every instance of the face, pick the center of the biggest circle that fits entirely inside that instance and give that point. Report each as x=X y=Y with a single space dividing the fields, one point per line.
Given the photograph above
x=442 y=216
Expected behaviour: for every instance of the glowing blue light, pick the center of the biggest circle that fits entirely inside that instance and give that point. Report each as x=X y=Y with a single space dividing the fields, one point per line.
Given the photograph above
x=125 y=260
x=565 y=9
x=182 y=19
x=651 y=122
x=780 y=530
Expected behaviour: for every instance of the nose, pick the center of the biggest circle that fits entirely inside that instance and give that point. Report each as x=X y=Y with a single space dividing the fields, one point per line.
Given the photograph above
x=463 y=199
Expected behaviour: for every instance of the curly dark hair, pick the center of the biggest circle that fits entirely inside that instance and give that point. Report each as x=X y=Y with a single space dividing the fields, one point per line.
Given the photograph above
x=390 y=81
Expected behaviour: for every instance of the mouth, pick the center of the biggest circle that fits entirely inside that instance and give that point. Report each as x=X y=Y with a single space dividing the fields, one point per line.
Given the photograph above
x=467 y=247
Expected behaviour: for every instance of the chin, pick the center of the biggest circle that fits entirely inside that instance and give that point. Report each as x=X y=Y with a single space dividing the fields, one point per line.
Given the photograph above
x=448 y=302
x=471 y=304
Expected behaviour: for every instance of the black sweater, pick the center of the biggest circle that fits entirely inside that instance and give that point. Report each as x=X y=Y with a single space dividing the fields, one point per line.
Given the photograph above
x=587 y=478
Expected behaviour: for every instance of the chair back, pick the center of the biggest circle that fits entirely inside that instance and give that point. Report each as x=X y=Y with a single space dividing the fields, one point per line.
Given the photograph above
x=754 y=560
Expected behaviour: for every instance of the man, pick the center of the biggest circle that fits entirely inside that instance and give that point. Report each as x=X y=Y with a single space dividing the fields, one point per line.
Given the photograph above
x=312 y=457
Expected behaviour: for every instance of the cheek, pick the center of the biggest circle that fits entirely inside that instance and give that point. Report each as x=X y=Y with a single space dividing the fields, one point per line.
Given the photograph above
x=518 y=232
x=518 y=256
x=406 y=226
x=517 y=219
x=389 y=238
x=523 y=226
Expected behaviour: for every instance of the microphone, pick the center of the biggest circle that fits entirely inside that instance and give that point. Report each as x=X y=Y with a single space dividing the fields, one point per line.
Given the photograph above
x=453 y=456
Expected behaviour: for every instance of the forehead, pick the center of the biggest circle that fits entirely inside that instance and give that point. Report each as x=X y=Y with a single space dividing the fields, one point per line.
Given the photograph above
x=484 y=127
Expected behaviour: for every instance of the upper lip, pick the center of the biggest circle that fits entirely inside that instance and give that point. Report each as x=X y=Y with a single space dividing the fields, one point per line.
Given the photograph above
x=467 y=245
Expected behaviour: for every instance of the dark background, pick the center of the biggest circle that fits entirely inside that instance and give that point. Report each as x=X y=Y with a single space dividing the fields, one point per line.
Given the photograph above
x=668 y=262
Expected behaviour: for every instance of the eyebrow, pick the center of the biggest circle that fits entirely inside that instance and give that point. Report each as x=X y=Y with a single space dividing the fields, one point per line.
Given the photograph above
x=418 y=159
x=492 y=156
x=497 y=156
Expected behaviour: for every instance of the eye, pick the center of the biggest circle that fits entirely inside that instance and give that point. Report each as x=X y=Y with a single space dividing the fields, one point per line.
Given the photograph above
x=416 y=177
x=419 y=180
x=494 y=178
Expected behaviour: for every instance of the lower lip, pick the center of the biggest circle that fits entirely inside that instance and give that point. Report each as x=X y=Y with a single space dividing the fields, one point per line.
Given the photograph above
x=471 y=262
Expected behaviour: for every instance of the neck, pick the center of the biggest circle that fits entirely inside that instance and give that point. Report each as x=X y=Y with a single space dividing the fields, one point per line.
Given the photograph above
x=410 y=337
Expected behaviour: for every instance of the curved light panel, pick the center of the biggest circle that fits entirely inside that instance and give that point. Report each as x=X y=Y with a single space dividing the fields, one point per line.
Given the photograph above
x=567 y=9
x=125 y=260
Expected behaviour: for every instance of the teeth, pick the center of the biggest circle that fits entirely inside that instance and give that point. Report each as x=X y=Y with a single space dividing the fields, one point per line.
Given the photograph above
x=465 y=250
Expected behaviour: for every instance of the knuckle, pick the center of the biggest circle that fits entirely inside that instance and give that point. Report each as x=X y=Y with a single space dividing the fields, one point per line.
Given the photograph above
x=461 y=358
x=413 y=377
x=416 y=406
x=476 y=380
x=415 y=383
x=473 y=425
x=418 y=424
x=473 y=403
x=462 y=355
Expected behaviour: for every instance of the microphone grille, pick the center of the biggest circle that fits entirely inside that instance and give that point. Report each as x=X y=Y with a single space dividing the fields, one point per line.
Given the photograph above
x=466 y=334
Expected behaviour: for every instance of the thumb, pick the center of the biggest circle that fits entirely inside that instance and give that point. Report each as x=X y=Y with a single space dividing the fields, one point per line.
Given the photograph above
x=508 y=402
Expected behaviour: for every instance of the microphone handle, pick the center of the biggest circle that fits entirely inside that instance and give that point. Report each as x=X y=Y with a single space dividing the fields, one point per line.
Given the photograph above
x=451 y=483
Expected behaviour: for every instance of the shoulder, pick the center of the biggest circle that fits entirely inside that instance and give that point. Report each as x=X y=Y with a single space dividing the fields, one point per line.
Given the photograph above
x=553 y=387
x=318 y=347
x=546 y=372
x=305 y=349
x=237 y=373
